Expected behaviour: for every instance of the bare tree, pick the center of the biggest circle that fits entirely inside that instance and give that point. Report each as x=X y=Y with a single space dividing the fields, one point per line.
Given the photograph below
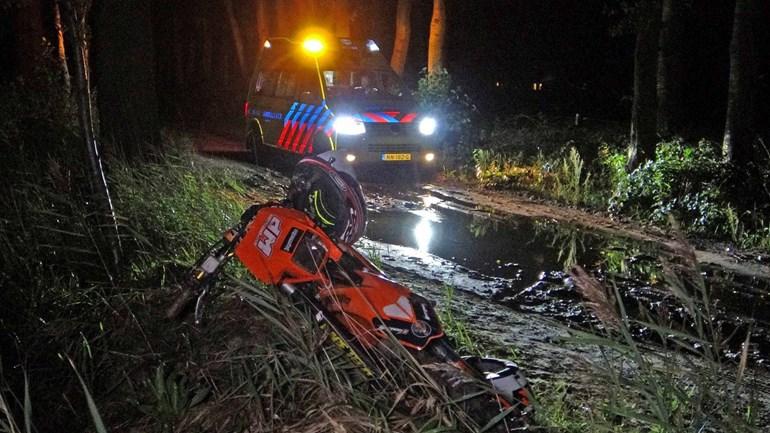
x=670 y=68
x=437 y=37
x=77 y=13
x=60 y=51
x=403 y=32
x=263 y=25
x=235 y=30
x=341 y=17
x=736 y=144
x=643 y=111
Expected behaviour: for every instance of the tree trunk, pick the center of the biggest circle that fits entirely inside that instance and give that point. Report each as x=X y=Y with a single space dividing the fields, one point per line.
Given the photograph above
x=235 y=30
x=670 y=69
x=60 y=51
x=263 y=23
x=403 y=32
x=341 y=18
x=77 y=31
x=736 y=145
x=437 y=36
x=28 y=27
x=282 y=20
x=643 y=111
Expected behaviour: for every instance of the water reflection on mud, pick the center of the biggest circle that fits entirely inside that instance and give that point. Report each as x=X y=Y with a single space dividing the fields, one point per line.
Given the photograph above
x=531 y=258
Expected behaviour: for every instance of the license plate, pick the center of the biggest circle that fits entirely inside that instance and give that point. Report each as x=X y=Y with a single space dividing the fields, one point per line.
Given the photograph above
x=396 y=156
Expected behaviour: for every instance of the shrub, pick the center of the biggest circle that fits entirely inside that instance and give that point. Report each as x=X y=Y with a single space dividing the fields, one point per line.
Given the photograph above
x=571 y=184
x=682 y=181
x=456 y=113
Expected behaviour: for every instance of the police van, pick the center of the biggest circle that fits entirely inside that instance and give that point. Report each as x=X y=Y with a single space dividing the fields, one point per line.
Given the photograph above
x=314 y=96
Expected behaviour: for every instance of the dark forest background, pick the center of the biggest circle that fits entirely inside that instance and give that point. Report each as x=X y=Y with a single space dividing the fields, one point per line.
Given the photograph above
x=105 y=204
x=177 y=61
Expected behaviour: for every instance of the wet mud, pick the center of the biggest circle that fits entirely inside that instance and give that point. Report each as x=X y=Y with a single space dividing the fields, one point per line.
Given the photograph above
x=521 y=263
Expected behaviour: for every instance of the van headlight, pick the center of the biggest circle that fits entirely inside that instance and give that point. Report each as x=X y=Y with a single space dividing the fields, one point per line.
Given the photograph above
x=348 y=125
x=427 y=126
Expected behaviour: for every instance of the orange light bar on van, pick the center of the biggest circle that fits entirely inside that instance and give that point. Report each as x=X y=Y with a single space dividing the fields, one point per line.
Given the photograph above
x=313 y=46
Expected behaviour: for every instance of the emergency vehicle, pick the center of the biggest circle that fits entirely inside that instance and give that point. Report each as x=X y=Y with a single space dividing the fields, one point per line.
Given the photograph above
x=313 y=96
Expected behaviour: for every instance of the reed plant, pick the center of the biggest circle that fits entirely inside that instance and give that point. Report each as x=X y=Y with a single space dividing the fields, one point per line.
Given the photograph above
x=682 y=384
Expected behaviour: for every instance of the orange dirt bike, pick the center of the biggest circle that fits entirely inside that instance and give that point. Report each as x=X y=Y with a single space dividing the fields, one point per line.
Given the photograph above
x=303 y=247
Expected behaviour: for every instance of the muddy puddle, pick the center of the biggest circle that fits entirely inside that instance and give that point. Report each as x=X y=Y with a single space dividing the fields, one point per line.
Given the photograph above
x=519 y=263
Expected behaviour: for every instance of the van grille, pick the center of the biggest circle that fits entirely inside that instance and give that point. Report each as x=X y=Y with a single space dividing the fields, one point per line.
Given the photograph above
x=388 y=129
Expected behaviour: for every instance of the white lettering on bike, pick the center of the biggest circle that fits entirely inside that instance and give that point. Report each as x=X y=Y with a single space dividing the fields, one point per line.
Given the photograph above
x=268 y=235
x=402 y=310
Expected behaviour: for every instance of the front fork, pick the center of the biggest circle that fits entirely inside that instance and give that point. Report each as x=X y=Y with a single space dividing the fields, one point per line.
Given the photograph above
x=204 y=274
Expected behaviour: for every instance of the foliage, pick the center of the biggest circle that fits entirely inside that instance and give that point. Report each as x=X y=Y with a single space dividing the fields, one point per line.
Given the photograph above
x=176 y=207
x=532 y=138
x=172 y=396
x=455 y=112
x=562 y=178
x=682 y=181
x=37 y=118
x=496 y=169
x=570 y=183
x=58 y=293
x=586 y=166
x=685 y=388
x=456 y=328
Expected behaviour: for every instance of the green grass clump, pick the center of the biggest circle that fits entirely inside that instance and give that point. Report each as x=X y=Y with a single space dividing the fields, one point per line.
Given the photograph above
x=61 y=295
x=175 y=208
x=688 y=386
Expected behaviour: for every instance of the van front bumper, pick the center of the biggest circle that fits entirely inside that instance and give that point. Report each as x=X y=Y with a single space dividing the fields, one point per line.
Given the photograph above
x=390 y=150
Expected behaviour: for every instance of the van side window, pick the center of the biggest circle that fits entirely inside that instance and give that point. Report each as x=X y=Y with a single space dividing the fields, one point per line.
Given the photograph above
x=309 y=88
x=265 y=83
x=287 y=85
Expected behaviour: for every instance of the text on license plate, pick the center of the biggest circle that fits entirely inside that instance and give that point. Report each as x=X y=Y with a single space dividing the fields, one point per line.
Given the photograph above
x=396 y=156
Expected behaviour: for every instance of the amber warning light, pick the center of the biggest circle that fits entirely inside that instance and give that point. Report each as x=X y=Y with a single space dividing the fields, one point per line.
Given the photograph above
x=313 y=46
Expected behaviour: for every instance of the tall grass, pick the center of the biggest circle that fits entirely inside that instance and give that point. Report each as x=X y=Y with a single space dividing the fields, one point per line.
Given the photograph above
x=570 y=182
x=687 y=386
x=563 y=178
x=295 y=380
x=59 y=295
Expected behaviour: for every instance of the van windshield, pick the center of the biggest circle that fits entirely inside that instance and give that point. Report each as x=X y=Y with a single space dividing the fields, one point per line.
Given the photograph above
x=363 y=82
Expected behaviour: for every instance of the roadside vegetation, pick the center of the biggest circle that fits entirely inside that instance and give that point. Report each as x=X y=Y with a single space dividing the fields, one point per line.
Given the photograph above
x=685 y=181
x=586 y=164
x=85 y=344
x=86 y=347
